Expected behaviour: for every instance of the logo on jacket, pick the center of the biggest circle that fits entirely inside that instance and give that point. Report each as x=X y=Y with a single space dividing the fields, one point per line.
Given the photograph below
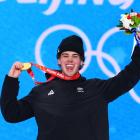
x=80 y=90
x=51 y=92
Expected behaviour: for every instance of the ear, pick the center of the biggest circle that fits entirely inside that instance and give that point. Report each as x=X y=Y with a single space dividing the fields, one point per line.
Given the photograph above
x=58 y=61
x=82 y=63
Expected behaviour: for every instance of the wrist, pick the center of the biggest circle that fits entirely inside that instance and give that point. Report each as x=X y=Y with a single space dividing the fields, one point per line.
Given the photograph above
x=137 y=38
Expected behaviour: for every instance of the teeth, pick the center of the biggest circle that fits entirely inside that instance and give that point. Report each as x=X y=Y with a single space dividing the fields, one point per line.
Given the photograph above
x=69 y=65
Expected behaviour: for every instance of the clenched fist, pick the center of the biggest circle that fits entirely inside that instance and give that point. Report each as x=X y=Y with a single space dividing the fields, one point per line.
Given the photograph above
x=15 y=70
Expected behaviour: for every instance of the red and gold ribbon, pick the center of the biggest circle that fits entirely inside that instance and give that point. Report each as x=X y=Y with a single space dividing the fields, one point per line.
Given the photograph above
x=53 y=73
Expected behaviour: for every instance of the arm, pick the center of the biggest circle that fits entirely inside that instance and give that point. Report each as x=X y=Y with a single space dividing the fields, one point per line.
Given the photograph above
x=123 y=81
x=14 y=110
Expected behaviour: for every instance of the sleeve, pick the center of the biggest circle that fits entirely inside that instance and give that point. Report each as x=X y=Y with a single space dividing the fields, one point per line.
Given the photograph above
x=14 y=110
x=124 y=80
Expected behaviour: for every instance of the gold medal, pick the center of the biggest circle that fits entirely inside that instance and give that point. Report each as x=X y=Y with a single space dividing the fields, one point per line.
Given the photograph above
x=26 y=66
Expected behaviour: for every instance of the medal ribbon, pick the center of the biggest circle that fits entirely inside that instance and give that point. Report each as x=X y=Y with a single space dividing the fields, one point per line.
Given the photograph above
x=53 y=74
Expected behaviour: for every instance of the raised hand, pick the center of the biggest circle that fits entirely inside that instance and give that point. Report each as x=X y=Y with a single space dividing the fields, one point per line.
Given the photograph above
x=15 y=70
x=137 y=37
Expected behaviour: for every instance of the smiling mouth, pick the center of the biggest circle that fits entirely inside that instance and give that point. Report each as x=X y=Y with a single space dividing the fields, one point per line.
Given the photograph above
x=69 y=67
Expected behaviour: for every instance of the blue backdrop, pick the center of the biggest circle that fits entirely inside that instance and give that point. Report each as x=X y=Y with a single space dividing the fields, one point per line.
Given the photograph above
x=30 y=31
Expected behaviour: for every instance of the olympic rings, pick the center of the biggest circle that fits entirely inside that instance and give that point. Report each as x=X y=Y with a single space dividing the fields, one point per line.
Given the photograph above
x=89 y=52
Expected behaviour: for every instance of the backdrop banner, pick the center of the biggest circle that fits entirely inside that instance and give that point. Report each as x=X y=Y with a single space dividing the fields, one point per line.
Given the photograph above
x=31 y=30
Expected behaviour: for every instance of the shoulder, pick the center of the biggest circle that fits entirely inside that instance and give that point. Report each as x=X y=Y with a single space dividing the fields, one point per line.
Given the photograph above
x=95 y=80
x=38 y=87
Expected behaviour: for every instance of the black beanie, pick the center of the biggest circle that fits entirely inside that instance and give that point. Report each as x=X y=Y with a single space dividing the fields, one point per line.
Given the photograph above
x=71 y=43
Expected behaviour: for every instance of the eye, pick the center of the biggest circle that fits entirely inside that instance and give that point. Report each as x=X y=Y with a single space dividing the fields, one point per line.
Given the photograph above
x=76 y=56
x=64 y=55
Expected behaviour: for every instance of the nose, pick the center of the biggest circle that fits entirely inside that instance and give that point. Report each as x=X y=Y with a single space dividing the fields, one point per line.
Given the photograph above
x=70 y=59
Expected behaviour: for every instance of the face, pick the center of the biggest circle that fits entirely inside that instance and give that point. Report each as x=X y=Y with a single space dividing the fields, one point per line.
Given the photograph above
x=70 y=62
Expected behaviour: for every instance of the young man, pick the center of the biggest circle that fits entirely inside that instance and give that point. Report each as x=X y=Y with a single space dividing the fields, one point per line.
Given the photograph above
x=68 y=109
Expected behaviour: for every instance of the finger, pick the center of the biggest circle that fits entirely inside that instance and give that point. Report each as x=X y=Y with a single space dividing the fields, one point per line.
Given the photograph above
x=18 y=65
x=138 y=34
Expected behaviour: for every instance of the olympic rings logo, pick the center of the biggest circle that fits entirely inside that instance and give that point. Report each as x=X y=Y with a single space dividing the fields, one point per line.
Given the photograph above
x=89 y=52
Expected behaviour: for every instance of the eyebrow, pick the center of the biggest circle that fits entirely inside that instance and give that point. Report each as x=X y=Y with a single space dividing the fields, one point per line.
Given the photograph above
x=68 y=54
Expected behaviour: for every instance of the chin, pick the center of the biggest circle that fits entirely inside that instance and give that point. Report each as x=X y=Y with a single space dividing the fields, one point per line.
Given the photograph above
x=69 y=73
